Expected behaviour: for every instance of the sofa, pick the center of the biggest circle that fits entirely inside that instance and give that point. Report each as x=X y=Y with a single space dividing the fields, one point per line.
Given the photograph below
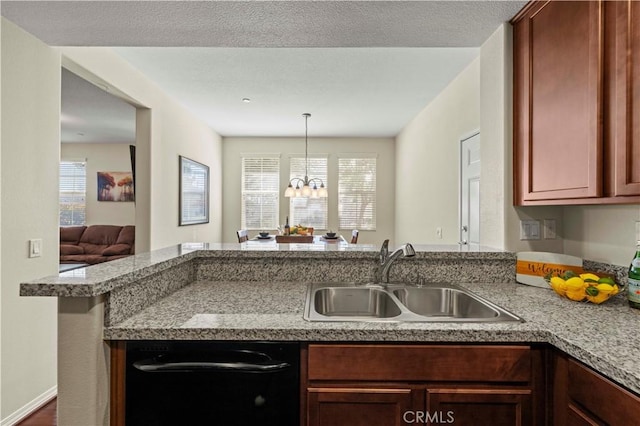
x=96 y=243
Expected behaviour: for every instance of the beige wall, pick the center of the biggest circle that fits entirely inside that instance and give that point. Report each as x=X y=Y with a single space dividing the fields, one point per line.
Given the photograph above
x=30 y=147
x=233 y=148
x=103 y=157
x=171 y=131
x=427 y=162
x=601 y=233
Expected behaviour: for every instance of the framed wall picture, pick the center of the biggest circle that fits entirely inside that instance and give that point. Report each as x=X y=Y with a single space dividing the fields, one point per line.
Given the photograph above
x=194 y=192
x=115 y=186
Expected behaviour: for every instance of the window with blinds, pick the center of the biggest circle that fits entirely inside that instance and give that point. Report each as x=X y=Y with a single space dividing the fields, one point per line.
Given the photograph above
x=260 y=192
x=309 y=211
x=73 y=192
x=357 y=193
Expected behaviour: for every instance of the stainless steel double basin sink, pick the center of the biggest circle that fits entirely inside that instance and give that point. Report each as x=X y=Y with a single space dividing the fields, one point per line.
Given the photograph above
x=400 y=303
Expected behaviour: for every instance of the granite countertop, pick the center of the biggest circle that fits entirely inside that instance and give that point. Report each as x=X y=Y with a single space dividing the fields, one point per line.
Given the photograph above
x=602 y=336
x=105 y=277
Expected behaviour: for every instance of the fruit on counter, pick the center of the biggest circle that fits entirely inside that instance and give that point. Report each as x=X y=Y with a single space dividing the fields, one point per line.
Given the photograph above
x=589 y=277
x=299 y=230
x=559 y=285
x=587 y=286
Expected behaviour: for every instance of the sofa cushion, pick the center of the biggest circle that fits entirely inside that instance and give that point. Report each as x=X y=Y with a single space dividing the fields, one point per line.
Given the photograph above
x=91 y=259
x=117 y=249
x=71 y=234
x=101 y=235
x=70 y=249
x=127 y=235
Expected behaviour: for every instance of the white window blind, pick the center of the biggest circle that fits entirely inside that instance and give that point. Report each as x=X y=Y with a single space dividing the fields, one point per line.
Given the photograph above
x=357 y=193
x=309 y=211
x=73 y=192
x=260 y=192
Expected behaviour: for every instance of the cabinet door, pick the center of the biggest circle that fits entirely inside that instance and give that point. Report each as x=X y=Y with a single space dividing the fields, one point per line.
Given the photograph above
x=590 y=390
x=577 y=417
x=558 y=78
x=360 y=406
x=623 y=110
x=496 y=407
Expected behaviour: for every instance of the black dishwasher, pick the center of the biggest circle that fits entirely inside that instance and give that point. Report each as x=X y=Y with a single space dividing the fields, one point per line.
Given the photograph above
x=212 y=383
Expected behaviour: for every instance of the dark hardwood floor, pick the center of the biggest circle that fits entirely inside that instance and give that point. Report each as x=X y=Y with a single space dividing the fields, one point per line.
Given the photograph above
x=45 y=416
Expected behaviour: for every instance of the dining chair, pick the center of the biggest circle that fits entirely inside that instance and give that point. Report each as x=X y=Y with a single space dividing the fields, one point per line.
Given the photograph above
x=354 y=236
x=243 y=235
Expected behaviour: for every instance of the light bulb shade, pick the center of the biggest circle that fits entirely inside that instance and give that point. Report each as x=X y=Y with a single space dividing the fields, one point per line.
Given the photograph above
x=314 y=193
x=306 y=190
x=322 y=192
x=289 y=192
x=298 y=192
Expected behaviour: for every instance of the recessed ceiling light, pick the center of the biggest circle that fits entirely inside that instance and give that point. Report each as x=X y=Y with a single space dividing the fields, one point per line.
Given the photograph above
x=246 y=100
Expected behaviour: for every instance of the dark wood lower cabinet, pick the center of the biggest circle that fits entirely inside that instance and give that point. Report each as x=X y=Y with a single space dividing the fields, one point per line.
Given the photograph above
x=360 y=406
x=398 y=385
x=497 y=407
x=583 y=397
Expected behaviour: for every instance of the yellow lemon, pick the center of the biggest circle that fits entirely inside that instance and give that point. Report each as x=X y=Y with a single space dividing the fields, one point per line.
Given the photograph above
x=577 y=294
x=605 y=288
x=575 y=283
x=589 y=276
x=601 y=297
x=615 y=289
x=558 y=285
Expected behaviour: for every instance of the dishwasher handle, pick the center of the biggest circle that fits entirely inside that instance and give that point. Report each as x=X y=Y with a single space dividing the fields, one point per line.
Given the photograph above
x=153 y=366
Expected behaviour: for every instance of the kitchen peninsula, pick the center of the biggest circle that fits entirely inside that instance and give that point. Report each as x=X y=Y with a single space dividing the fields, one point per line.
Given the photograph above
x=238 y=292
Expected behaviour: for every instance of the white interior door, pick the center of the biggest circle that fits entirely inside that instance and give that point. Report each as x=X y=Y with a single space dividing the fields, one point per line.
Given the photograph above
x=470 y=190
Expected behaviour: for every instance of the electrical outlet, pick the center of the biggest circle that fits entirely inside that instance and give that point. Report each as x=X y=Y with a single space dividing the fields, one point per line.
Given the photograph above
x=529 y=229
x=35 y=247
x=439 y=232
x=549 y=229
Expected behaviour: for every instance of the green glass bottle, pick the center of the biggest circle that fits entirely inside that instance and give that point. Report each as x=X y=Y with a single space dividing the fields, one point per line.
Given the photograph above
x=633 y=285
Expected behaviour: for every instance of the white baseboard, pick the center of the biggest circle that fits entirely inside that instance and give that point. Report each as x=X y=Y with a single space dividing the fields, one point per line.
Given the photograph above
x=30 y=407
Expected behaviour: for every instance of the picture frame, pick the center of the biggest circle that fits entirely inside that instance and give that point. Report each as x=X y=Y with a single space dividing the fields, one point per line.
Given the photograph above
x=194 y=192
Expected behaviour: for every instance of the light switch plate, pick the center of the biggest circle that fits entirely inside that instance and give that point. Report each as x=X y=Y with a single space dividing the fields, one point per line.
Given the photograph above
x=529 y=229
x=35 y=247
x=549 y=230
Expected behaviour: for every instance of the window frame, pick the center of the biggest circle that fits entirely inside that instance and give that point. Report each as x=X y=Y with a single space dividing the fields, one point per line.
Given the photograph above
x=293 y=173
x=72 y=193
x=371 y=224
x=275 y=191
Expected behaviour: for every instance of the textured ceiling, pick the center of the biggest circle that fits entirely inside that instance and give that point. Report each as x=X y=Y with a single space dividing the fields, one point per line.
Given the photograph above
x=361 y=68
x=262 y=23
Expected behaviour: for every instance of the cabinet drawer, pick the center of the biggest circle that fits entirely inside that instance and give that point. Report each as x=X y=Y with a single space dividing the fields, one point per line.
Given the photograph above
x=420 y=363
x=590 y=389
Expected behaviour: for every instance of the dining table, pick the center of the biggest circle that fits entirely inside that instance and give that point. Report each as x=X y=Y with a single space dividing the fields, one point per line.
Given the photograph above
x=317 y=239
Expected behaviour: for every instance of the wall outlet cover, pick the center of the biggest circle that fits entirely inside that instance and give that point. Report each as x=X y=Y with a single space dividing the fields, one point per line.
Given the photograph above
x=549 y=229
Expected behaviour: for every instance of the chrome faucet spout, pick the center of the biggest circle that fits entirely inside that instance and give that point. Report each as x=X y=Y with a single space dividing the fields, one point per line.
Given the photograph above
x=387 y=260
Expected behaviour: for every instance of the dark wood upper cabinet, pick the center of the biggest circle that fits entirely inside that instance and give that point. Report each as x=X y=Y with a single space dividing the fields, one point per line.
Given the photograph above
x=576 y=84
x=623 y=102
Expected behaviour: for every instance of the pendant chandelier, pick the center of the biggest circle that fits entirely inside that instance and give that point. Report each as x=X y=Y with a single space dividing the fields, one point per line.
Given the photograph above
x=306 y=187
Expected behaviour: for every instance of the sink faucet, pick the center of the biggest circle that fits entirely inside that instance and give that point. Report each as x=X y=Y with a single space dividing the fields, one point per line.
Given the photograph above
x=386 y=259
